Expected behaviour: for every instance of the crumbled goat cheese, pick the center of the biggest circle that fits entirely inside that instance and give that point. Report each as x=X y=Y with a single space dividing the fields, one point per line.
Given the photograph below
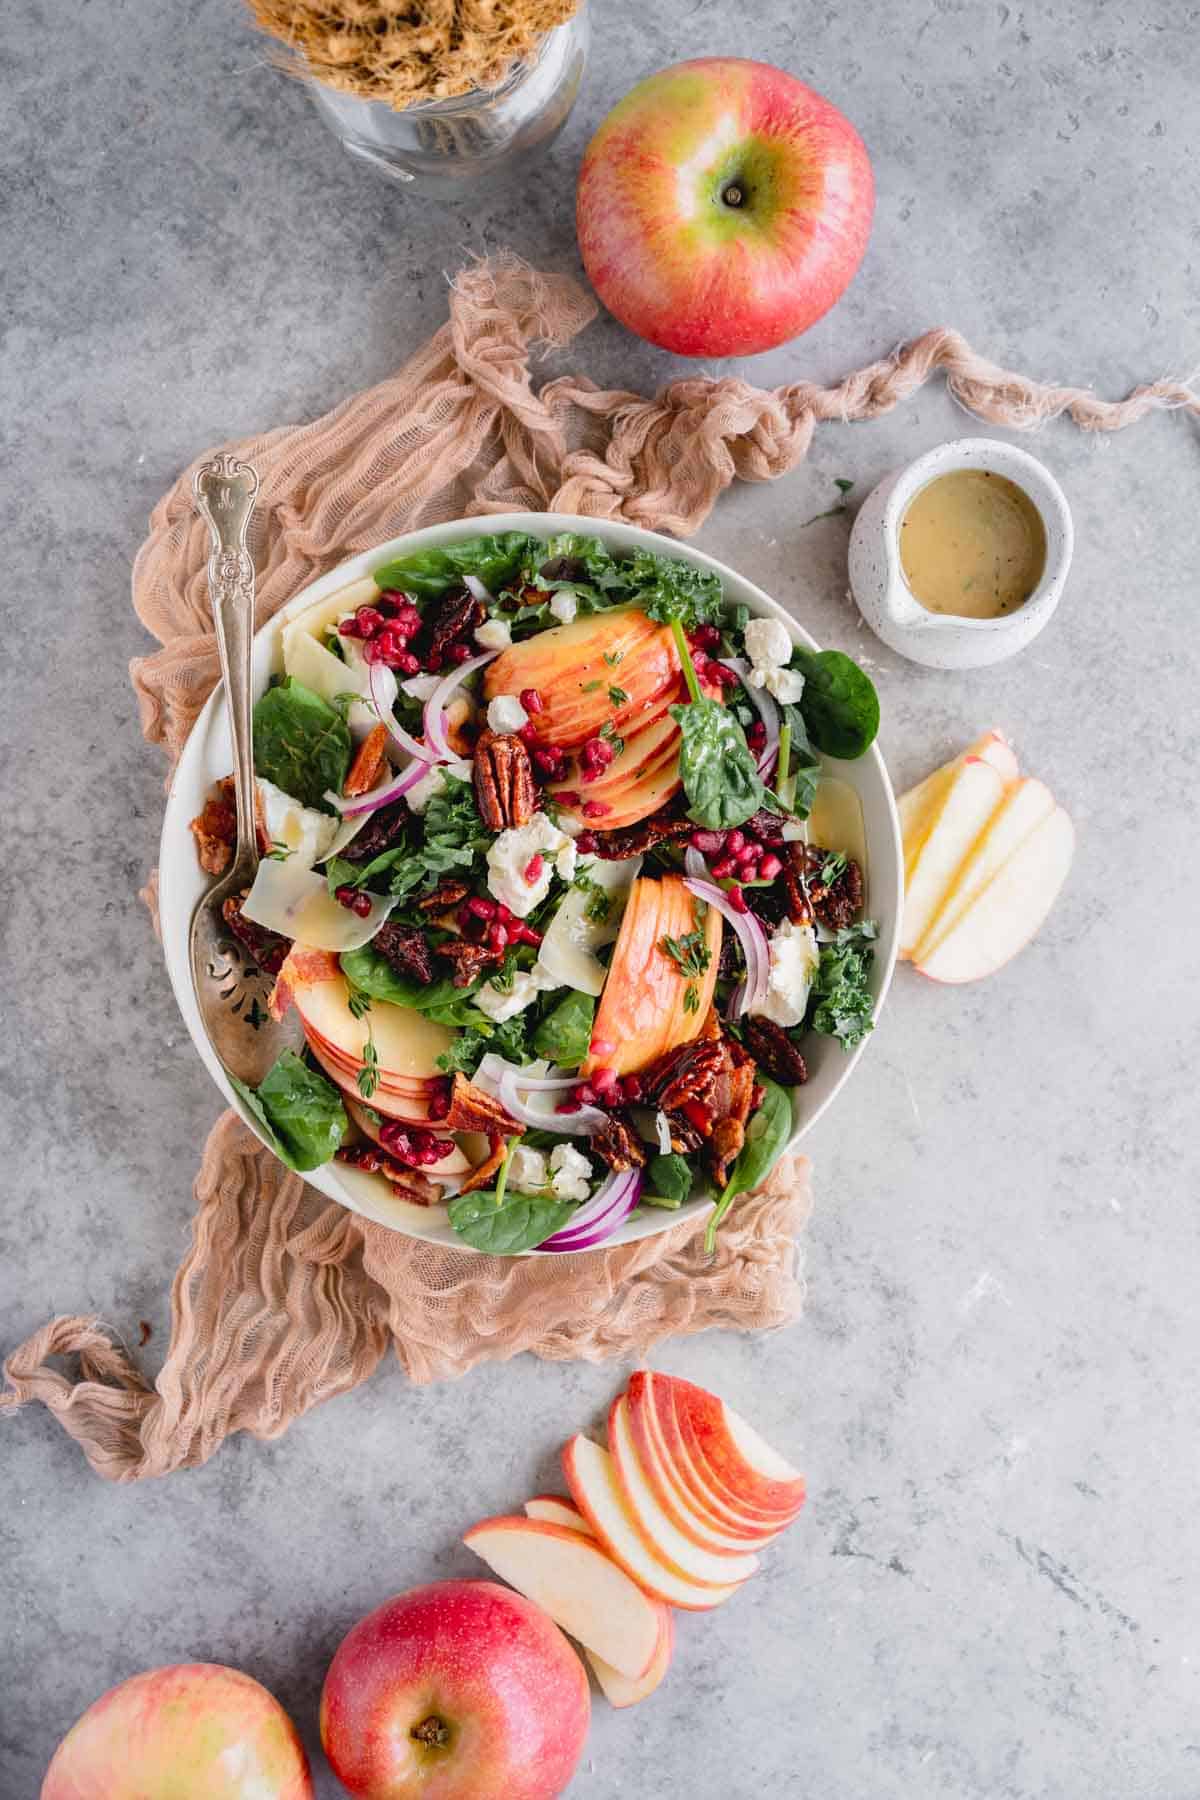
x=768 y=644
x=511 y=855
x=505 y=1003
x=571 y=1173
x=303 y=831
x=422 y=792
x=527 y=1172
x=506 y=714
x=493 y=634
x=564 y=607
x=794 y=959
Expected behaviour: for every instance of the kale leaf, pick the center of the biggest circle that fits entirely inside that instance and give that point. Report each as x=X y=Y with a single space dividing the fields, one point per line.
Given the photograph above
x=840 y=1001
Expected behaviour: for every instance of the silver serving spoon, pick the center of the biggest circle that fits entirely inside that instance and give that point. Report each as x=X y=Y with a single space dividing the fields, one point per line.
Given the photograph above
x=231 y=991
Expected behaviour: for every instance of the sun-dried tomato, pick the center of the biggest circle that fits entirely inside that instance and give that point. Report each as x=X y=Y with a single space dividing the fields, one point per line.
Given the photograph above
x=267 y=950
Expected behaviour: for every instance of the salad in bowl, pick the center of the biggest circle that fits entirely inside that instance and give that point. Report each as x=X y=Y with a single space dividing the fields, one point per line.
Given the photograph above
x=543 y=884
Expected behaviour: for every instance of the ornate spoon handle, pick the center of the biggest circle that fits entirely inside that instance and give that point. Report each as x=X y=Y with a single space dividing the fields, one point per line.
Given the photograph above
x=225 y=491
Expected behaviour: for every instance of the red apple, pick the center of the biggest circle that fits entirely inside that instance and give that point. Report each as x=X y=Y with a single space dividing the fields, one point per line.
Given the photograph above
x=195 y=1731
x=461 y=1690
x=723 y=207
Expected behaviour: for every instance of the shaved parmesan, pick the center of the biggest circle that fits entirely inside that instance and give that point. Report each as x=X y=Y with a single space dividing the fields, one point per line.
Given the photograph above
x=290 y=899
x=568 y=950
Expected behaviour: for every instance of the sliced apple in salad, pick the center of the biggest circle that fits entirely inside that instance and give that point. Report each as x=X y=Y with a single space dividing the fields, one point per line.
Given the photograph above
x=654 y=999
x=577 y=670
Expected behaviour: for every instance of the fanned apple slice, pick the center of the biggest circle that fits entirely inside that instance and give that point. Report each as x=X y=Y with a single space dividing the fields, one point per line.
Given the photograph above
x=730 y=1454
x=572 y=1578
x=973 y=796
x=576 y=669
x=678 y=1493
x=756 y=1526
x=617 y=1689
x=662 y=1537
x=919 y=807
x=1021 y=811
x=650 y=1004
x=552 y=1509
x=595 y=1490
x=1006 y=913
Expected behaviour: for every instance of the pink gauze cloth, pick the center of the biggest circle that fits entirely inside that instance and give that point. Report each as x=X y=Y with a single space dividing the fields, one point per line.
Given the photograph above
x=285 y=1299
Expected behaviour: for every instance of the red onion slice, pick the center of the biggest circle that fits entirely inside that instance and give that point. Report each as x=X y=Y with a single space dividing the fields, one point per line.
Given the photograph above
x=600 y=1216
x=750 y=935
x=379 y=796
x=435 y=706
x=766 y=707
x=694 y=863
x=477 y=590
x=581 y=1123
x=397 y=733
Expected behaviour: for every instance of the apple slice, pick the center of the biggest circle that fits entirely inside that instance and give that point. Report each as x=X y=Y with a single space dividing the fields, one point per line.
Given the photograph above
x=973 y=796
x=569 y=1576
x=592 y=1480
x=738 y=1516
x=732 y=1452
x=617 y=1689
x=575 y=668
x=680 y=1502
x=1005 y=914
x=1020 y=812
x=644 y=1010
x=407 y=1044
x=919 y=807
x=403 y=1108
x=662 y=1537
x=554 y=1510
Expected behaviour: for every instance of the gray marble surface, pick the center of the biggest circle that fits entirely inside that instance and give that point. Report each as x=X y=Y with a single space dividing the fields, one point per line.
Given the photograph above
x=993 y=1591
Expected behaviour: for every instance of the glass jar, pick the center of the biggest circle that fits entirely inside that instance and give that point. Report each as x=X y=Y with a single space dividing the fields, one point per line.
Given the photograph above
x=478 y=140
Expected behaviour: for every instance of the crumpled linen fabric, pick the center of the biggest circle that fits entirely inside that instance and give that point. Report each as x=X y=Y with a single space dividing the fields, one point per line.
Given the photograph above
x=285 y=1299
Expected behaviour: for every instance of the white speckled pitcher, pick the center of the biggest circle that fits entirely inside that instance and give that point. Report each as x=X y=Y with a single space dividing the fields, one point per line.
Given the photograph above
x=940 y=640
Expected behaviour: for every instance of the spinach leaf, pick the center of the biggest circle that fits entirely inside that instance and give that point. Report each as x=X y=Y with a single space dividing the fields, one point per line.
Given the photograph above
x=670 y=1177
x=839 y=702
x=493 y=558
x=766 y=1134
x=717 y=770
x=804 y=765
x=439 y=1000
x=505 y=1224
x=840 y=1001
x=301 y=1114
x=301 y=743
x=565 y=1033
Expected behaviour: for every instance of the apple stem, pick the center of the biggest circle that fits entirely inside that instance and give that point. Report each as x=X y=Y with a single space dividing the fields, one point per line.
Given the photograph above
x=432 y=1731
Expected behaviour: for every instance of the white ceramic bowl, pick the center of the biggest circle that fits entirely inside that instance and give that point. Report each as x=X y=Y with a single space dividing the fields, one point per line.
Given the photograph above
x=207 y=756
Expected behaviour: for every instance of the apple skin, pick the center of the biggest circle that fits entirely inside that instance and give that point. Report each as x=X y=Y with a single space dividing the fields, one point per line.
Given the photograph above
x=194 y=1730
x=666 y=252
x=481 y=1660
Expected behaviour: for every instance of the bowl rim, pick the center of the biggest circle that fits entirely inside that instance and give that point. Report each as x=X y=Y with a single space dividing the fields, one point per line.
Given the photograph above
x=349 y=1187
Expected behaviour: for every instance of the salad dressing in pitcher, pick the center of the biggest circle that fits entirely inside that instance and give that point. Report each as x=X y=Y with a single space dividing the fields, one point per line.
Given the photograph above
x=972 y=543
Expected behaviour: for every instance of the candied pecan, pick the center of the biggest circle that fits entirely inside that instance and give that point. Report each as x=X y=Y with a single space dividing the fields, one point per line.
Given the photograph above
x=687 y=1073
x=408 y=1184
x=468 y=960
x=406 y=949
x=457 y=616
x=383 y=828
x=368 y=761
x=504 y=787
x=266 y=949
x=771 y=904
x=732 y=1097
x=774 y=1052
x=839 y=904
x=482 y=1173
x=685 y=1137
x=215 y=829
x=766 y=826
x=799 y=906
x=473 y=1110
x=618 y=1145
x=446 y=894
x=670 y=825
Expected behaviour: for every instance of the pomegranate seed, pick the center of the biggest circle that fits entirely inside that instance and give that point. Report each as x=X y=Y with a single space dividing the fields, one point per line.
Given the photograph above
x=346 y=896
x=769 y=867
x=504 y=916
x=722 y=868
x=528 y=732
x=738 y=900
x=726 y=678
x=533 y=868
x=586 y=842
x=373 y=650
x=532 y=701
x=747 y=854
x=734 y=842
x=389 y=603
x=439 y=1101
x=349 y=628
x=595 y=757
x=497 y=937
x=631 y=1089
x=707 y=842
x=601 y=1047
x=521 y=933
x=458 y=653
x=707 y=637
x=568 y=797
x=604 y=1080
x=756 y=736
x=406 y=662
x=585 y=1093
x=568 y=1106
x=481 y=907
x=369 y=620
x=596 y=809
x=432 y=663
